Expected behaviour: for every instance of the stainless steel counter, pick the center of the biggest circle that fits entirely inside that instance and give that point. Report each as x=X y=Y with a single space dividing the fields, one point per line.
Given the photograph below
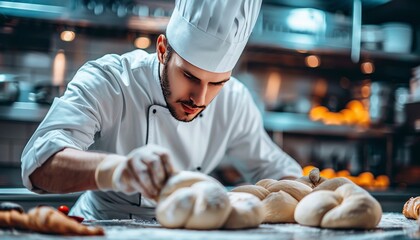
x=392 y=226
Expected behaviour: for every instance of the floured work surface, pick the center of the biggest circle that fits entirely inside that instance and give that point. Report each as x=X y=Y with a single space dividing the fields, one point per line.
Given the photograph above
x=392 y=226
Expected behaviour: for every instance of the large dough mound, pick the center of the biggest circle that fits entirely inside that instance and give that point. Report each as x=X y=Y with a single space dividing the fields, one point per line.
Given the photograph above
x=348 y=206
x=333 y=203
x=196 y=201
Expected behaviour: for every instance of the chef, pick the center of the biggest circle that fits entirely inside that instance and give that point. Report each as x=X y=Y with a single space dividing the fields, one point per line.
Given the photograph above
x=126 y=122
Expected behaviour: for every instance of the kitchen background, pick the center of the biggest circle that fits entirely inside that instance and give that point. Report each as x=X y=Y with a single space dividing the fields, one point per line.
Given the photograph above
x=338 y=82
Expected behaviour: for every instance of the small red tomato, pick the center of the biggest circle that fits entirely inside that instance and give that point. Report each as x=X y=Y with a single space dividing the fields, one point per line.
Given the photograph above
x=64 y=209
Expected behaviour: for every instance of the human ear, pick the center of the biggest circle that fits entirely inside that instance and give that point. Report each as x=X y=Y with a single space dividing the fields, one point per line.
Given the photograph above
x=161 y=44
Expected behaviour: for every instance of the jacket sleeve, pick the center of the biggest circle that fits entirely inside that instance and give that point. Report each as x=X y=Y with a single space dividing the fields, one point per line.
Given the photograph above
x=253 y=151
x=73 y=120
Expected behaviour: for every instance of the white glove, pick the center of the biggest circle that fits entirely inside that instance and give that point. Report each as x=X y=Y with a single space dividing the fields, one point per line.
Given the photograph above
x=144 y=170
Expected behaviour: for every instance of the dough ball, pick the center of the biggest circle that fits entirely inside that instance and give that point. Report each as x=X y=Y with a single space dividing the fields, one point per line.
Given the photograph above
x=332 y=184
x=349 y=206
x=265 y=183
x=176 y=209
x=201 y=205
x=183 y=179
x=313 y=207
x=255 y=190
x=247 y=211
x=212 y=206
x=296 y=189
x=279 y=207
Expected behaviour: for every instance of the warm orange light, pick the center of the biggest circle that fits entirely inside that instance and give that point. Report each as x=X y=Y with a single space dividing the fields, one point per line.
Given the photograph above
x=59 y=69
x=355 y=106
x=307 y=169
x=353 y=179
x=354 y=114
x=142 y=42
x=381 y=181
x=273 y=87
x=332 y=118
x=366 y=91
x=327 y=173
x=348 y=116
x=317 y=113
x=367 y=67
x=312 y=61
x=67 y=36
x=366 y=179
x=343 y=173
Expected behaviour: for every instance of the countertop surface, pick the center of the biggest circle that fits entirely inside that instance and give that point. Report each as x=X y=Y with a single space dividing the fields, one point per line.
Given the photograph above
x=392 y=226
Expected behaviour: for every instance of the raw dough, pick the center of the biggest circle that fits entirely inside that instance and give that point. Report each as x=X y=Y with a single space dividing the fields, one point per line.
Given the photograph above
x=247 y=211
x=279 y=198
x=349 y=206
x=196 y=201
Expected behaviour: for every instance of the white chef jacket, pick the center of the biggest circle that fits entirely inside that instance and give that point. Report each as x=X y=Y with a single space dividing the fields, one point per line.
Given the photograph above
x=115 y=104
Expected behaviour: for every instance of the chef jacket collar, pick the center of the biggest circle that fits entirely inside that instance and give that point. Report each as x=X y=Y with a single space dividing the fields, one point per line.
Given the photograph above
x=160 y=99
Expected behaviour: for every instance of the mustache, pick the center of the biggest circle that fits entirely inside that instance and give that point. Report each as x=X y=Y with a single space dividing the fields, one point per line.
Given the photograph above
x=190 y=104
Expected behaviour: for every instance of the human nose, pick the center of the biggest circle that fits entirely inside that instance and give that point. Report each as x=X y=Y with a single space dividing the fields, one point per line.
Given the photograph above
x=199 y=95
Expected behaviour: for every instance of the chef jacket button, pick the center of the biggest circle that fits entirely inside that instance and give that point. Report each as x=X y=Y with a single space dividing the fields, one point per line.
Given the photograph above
x=201 y=115
x=154 y=111
x=198 y=168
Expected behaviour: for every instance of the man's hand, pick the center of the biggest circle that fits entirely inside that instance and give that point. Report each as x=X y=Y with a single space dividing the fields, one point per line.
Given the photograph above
x=144 y=170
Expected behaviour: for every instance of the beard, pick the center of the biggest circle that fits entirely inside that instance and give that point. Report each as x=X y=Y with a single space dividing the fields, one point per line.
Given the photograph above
x=166 y=90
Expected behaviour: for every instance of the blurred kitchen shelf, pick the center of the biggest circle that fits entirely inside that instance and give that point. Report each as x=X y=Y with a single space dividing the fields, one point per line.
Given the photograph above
x=259 y=51
x=335 y=62
x=23 y=111
x=390 y=56
x=301 y=124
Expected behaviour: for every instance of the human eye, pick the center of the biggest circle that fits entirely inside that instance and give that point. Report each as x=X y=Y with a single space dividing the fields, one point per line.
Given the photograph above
x=191 y=78
x=218 y=84
x=187 y=75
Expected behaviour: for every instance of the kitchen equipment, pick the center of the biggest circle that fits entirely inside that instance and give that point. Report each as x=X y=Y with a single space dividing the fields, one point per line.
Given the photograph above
x=9 y=88
x=45 y=92
x=301 y=28
x=397 y=37
x=381 y=103
x=371 y=37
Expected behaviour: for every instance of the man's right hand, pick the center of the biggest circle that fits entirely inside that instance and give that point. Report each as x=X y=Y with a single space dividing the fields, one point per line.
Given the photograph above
x=144 y=170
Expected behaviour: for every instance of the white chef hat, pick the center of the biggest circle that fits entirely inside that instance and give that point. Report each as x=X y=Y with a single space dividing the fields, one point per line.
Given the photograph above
x=211 y=34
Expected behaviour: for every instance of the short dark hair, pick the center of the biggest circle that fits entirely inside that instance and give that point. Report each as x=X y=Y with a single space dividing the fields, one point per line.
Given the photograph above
x=169 y=51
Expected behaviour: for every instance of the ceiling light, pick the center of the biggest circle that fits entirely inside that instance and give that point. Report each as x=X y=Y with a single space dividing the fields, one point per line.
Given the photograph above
x=142 y=42
x=312 y=61
x=67 y=36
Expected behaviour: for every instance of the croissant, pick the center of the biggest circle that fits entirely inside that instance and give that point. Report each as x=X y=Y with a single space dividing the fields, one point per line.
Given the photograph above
x=46 y=220
x=412 y=208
